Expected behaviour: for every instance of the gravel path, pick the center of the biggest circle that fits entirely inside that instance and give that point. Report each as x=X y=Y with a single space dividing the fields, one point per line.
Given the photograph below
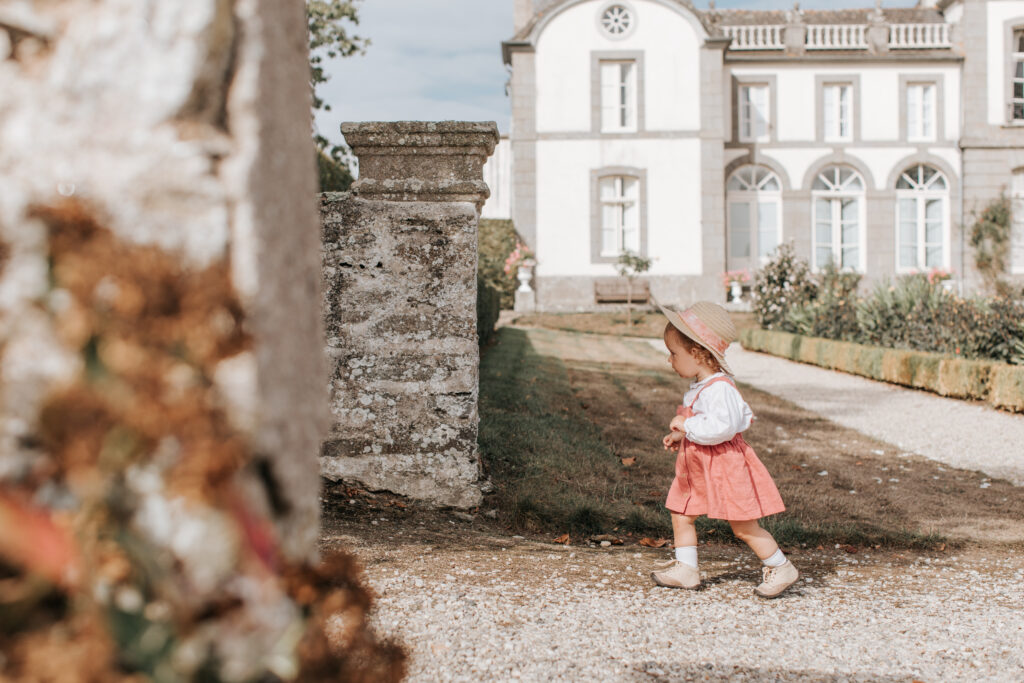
x=963 y=434
x=515 y=609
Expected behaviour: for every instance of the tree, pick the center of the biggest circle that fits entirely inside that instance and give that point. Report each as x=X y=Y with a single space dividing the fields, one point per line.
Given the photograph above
x=629 y=266
x=330 y=36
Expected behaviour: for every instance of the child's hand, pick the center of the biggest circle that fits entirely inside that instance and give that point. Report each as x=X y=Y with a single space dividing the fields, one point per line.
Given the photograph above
x=672 y=439
x=676 y=425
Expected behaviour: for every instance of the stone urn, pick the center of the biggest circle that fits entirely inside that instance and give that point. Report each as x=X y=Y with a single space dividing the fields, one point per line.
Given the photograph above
x=735 y=290
x=525 y=275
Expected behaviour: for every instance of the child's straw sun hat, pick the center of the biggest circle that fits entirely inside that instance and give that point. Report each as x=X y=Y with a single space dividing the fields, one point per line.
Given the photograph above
x=706 y=323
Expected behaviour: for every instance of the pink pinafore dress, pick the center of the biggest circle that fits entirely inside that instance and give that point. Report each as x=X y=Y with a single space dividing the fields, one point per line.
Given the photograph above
x=724 y=481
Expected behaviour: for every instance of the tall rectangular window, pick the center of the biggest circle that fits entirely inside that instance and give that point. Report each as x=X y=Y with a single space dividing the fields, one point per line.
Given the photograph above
x=921 y=112
x=837 y=232
x=837 y=102
x=754 y=117
x=620 y=215
x=1017 y=84
x=618 y=96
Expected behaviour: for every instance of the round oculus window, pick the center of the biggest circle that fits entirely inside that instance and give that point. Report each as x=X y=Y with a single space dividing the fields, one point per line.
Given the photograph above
x=617 y=20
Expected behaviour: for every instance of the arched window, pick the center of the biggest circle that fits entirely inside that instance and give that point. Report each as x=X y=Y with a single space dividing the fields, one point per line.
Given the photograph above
x=838 y=197
x=754 y=200
x=922 y=219
x=1017 y=231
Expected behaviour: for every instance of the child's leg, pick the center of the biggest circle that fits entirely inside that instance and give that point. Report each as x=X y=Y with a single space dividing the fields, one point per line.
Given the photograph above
x=684 y=531
x=683 y=572
x=778 y=572
x=759 y=540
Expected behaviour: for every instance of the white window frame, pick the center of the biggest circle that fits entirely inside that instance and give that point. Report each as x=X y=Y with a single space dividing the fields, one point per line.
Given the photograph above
x=619 y=105
x=1016 y=58
x=922 y=192
x=928 y=97
x=747 y=107
x=754 y=196
x=835 y=194
x=837 y=131
x=1016 y=260
x=619 y=201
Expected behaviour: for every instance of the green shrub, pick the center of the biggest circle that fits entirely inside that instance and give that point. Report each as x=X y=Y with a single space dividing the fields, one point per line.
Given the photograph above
x=334 y=175
x=496 y=240
x=915 y=314
x=488 y=306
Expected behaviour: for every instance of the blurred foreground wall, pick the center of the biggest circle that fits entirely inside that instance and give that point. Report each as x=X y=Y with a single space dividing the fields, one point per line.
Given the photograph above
x=178 y=125
x=162 y=395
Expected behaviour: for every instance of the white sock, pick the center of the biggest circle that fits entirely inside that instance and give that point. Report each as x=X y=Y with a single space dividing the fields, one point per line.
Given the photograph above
x=776 y=560
x=687 y=555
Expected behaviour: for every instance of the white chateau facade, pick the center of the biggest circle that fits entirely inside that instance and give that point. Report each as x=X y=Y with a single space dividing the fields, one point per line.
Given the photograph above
x=705 y=138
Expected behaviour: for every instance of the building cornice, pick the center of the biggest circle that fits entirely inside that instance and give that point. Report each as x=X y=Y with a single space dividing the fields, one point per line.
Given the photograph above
x=845 y=57
x=510 y=46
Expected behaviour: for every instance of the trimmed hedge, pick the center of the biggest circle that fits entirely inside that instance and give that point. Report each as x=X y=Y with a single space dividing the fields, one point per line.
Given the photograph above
x=1000 y=384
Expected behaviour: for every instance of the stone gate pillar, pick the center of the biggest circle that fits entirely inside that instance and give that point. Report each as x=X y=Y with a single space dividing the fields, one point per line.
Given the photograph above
x=400 y=264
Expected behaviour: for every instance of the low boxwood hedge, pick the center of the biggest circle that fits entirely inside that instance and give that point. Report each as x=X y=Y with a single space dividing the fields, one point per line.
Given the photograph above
x=1000 y=384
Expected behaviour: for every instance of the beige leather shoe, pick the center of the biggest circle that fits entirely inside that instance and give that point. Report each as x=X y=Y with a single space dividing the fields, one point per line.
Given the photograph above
x=675 y=574
x=775 y=580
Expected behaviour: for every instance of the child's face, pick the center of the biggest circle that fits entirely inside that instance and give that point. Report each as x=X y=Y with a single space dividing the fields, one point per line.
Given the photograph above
x=679 y=356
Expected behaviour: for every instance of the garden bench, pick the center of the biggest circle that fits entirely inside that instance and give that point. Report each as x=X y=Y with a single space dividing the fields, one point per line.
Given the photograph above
x=618 y=292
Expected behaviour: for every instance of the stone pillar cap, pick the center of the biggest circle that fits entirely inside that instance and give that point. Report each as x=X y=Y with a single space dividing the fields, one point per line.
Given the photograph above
x=422 y=160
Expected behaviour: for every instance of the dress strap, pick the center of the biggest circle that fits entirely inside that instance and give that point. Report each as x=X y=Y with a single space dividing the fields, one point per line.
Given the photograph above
x=723 y=378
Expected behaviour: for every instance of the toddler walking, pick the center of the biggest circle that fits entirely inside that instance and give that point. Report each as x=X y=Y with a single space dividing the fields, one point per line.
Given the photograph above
x=717 y=472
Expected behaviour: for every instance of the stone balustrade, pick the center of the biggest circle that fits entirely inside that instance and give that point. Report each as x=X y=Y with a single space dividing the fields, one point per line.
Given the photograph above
x=841 y=36
x=756 y=37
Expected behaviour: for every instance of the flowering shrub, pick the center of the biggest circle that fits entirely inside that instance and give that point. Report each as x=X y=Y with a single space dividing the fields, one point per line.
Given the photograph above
x=913 y=312
x=832 y=312
x=936 y=275
x=515 y=259
x=781 y=284
x=731 y=276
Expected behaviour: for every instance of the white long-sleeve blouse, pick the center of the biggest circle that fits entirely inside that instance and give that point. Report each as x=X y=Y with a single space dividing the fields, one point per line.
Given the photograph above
x=720 y=412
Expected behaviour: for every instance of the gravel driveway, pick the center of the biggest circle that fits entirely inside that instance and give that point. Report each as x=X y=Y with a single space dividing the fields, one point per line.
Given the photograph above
x=498 y=608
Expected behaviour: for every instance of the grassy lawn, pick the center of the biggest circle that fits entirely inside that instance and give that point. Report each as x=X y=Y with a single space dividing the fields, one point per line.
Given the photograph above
x=558 y=418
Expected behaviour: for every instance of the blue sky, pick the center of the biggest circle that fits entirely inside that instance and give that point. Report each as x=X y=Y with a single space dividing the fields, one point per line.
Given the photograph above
x=432 y=60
